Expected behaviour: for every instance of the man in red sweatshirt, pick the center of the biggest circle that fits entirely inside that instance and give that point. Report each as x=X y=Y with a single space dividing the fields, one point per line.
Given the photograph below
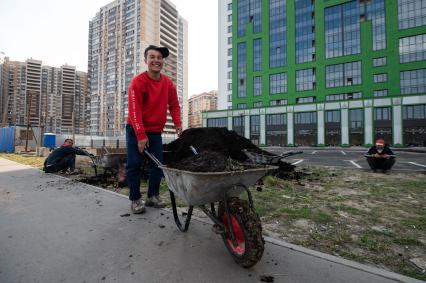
x=150 y=95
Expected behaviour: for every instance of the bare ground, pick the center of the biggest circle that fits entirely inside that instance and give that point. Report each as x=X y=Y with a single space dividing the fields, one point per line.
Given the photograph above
x=371 y=218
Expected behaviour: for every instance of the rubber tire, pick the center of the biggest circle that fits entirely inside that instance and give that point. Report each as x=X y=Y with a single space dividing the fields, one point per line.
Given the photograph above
x=250 y=223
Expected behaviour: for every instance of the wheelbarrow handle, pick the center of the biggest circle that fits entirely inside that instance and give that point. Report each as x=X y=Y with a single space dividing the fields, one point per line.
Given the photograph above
x=153 y=158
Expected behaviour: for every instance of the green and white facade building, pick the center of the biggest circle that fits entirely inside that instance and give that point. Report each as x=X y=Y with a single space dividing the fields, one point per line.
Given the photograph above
x=322 y=72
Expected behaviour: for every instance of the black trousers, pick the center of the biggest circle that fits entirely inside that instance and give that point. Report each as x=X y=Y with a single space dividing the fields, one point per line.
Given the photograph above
x=384 y=164
x=62 y=165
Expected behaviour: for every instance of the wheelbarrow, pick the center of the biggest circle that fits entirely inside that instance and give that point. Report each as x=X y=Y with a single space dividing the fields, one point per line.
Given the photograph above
x=234 y=219
x=271 y=159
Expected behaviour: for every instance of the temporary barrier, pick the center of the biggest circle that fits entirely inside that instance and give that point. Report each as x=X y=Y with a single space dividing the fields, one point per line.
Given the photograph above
x=7 y=137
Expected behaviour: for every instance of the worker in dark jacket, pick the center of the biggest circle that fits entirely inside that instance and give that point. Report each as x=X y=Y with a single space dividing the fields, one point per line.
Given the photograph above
x=63 y=158
x=380 y=157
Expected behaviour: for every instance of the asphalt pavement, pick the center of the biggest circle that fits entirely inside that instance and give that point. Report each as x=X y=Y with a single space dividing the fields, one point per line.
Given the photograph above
x=351 y=158
x=53 y=229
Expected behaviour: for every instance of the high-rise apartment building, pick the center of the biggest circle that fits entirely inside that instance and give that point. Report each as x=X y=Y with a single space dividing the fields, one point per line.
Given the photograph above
x=118 y=36
x=206 y=101
x=326 y=72
x=225 y=55
x=53 y=98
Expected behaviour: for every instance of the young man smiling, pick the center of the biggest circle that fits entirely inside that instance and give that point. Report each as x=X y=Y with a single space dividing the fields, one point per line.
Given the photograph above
x=150 y=95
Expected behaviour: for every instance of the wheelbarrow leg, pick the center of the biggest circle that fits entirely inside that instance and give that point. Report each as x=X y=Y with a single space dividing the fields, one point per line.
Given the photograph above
x=176 y=216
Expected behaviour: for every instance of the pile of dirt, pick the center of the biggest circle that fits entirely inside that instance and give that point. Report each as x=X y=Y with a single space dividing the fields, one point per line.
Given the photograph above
x=228 y=143
x=209 y=161
x=217 y=147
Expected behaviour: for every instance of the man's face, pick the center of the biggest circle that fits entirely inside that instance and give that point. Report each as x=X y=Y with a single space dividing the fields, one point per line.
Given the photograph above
x=154 y=60
x=379 y=146
x=69 y=142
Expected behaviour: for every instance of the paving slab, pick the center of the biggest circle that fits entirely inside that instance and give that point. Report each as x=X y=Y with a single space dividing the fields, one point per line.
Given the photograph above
x=53 y=229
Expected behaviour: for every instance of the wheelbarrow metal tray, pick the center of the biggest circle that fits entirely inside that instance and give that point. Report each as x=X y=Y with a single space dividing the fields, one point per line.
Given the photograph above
x=198 y=188
x=111 y=160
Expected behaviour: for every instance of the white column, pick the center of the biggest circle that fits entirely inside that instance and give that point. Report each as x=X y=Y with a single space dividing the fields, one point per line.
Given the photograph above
x=344 y=124
x=368 y=125
x=290 y=128
x=320 y=135
x=247 y=126
x=262 y=129
x=397 y=124
x=230 y=122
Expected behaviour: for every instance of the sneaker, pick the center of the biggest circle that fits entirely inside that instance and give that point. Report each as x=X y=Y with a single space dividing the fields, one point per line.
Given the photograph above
x=155 y=201
x=137 y=206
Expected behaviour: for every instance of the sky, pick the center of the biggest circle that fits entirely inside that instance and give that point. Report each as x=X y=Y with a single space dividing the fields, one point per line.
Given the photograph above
x=56 y=32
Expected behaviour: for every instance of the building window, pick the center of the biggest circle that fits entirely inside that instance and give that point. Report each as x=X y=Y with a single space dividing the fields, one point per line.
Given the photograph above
x=414 y=112
x=257 y=54
x=380 y=78
x=229 y=29
x=356 y=127
x=342 y=30
x=229 y=63
x=230 y=40
x=375 y=11
x=377 y=62
x=380 y=93
x=305 y=31
x=217 y=122
x=241 y=105
x=229 y=6
x=310 y=99
x=277 y=33
x=412 y=48
x=229 y=18
x=249 y=11
x=229 y=86
x=346 y=74
x=413 y=82
x=238 y=124
x=229 y=51
x=305 y=79
x=278 y=83
x=382 y=114
x=242 y=70
x=344 y=96
x=230 y=75
x=257 y=86
x=276 y=129
x=332 y=116
x=257 y=104
x=278 y=102
x=411 y=13
x=255 y=129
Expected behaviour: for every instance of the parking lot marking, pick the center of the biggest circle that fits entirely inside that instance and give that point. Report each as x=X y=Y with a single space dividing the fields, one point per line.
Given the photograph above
x=417 y=164
x=297 y=162
x=313 y=152
x=344 y=153
x=354 y=163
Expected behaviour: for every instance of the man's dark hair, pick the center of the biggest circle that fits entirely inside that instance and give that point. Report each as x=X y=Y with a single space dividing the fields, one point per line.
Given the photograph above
x=69 y=140
x=163 y=50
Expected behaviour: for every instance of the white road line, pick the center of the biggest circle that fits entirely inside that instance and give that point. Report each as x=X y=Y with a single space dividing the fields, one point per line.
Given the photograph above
x=354 y=163
x=344 y=153
x=297 y=162
x=313 y=152
x=417 y=164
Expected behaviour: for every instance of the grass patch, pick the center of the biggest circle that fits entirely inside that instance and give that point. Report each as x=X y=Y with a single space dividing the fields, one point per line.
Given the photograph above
x=24 y=159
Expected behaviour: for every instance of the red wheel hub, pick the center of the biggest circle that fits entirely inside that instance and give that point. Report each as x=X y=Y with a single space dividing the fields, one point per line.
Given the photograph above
x=240 y=246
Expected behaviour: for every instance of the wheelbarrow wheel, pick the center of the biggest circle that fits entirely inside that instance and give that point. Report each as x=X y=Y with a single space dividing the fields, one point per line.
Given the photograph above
x=249 y=244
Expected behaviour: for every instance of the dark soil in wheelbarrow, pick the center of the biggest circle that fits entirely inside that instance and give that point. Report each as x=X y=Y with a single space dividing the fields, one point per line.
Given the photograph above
x=227 y=145
x=209 y=161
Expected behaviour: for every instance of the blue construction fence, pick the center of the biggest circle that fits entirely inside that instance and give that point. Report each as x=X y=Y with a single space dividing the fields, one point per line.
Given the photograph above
x=7 y=139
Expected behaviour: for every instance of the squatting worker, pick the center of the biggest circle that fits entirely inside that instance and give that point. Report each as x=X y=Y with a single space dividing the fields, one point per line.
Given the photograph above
x=150 y=94
x=63 y=158
x=380 y=157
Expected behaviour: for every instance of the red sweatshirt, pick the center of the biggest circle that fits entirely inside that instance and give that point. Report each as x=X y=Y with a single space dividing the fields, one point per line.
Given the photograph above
x=148 y=101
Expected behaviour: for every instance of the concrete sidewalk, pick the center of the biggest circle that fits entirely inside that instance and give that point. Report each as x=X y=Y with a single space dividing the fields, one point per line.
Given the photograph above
x=56 y=230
